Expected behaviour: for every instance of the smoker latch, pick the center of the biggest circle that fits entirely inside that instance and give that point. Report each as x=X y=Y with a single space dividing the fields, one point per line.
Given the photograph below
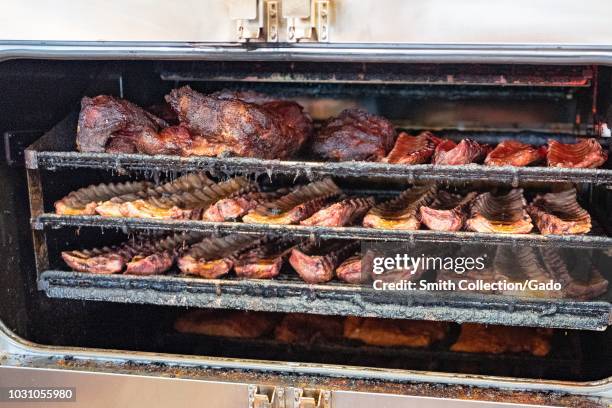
x=310 y=398
x=306 y=20
x=266 y=396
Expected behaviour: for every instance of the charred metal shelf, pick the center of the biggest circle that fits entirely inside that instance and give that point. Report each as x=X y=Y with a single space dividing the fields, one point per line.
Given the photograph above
x=370 y=234
x=49 y=160
x=330 y=299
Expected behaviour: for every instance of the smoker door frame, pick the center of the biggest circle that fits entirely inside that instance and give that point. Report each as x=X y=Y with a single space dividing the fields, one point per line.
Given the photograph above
x=17 y=352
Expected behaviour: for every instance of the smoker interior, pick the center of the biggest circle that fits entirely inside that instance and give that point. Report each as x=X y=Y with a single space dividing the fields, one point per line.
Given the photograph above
x=36 y=95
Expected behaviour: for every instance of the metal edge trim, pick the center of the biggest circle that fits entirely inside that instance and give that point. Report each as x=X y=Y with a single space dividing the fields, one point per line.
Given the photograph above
x=439 y=53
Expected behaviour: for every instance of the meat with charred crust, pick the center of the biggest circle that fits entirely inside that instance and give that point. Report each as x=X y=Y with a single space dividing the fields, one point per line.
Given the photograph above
x=315 y=262
x=141 y=255
x=587 y=153
x=447 y=212
x=479 y=338
x=264 y=259
x=412 y=149
x=226 y=323
x=513 y=153
x=500 y=212
x=296 y=206
x=233 y=208
x=85 y=201
x=401 y=212
x=340 y=214
x=105 y=120
x=394 y=333
x=213 y=257
x=354 y=135
x=559 y=213
x=225 y=124
x=465 y=152
x=300 y=328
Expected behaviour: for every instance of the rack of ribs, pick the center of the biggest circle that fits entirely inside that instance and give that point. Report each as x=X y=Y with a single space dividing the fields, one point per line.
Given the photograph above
x=479 y=338
x=447 y=212
x=412 y=149
x=340 y=214
x=235 y=207
x=465 y=152
x=140 y=256
x=513 y=153
x=394 y=333
x=264 y=259
x=588 y=286
x=223 y=123
x=354 y=135
x=587 y=153
x=295 y=206
x=226 y=323
x=559 y=213
x=401 y=212
x=117 y=206
x=185 y=204
x=214 y=257
x=111 y=124
x=86 y=200
x=301 y=328
x=316 y=262
x=500 y=213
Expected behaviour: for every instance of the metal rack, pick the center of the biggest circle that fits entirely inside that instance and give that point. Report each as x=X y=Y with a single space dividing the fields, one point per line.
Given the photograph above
x=287 y=295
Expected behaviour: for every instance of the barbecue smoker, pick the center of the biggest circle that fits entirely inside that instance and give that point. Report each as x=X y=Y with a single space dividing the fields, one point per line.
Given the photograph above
x=487 y=71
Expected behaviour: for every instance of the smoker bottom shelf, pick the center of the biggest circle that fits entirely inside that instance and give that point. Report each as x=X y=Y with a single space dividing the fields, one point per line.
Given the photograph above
x=329 y=299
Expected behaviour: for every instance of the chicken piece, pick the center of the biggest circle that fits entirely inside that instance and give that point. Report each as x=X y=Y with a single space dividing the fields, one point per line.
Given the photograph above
x=316 y=262
x=587 y=153
x=412 y=149
x=394 y=333
x=479 y=338
x=153 y=264
x=465 y=152
x=401 y=213
x=559 y=213
x=296 y=206
x=221 y=124
x=104 y=118
x=296 y=328
x=226 y=323
x=500 y=213
x=340 y=214
x=447 y=212
x=354 y=135
x=350 y=271
x=513 y=153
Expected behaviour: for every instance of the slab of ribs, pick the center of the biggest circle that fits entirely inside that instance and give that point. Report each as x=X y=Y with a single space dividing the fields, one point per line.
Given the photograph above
x=249 y=124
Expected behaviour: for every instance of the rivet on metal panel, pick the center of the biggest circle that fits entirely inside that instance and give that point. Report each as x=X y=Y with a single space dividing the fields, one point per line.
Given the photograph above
x=311 y=398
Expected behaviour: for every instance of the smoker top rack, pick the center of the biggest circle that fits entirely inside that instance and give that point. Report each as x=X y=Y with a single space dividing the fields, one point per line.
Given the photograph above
x=55 y=150
x=291 y=295
x=370 y=234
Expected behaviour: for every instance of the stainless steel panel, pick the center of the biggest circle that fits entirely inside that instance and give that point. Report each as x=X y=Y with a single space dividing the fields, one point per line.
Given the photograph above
x=101 y=390
x=351 y=21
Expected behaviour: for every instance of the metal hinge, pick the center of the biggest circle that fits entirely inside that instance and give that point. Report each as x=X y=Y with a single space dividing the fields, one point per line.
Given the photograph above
x=310 y=398
x=307 y=20
x=255 y=18
x=266 y=396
